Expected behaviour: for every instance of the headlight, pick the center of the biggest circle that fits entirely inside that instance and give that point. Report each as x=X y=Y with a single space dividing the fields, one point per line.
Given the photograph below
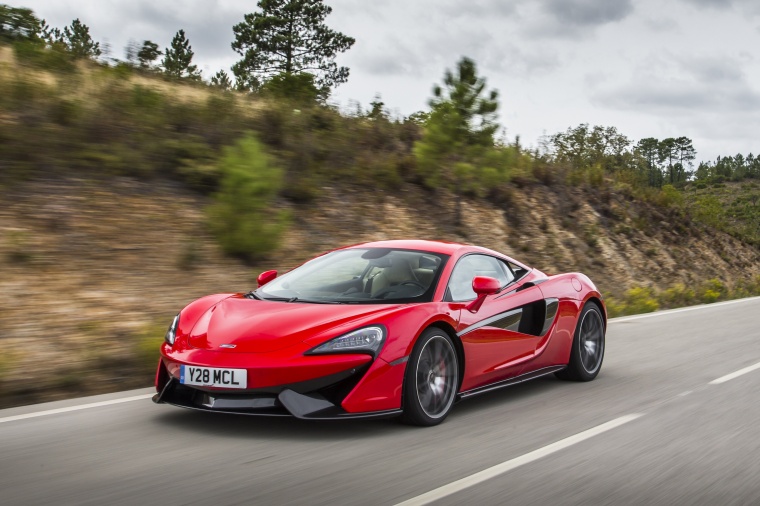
x=171 y=334
x=368 y=339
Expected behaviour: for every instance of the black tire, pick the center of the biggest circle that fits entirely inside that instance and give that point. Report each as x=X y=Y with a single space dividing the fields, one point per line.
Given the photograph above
x=431 y=380
x=587 y=353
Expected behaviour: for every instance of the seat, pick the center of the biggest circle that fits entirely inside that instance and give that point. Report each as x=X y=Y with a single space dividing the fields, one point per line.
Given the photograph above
x=426 y=269
x=398 y=272
x=424 y=276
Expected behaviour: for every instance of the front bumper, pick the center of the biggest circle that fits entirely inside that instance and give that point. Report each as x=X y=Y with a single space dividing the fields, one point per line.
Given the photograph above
x=319 y=387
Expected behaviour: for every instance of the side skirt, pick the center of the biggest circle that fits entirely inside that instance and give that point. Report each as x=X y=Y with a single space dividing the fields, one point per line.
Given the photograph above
x=511 y=381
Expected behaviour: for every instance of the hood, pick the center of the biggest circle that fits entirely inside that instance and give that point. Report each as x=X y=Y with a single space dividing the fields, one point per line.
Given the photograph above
x=258 y=326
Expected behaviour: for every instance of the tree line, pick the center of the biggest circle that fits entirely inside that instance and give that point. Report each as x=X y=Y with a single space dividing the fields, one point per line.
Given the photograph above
x=285 y=48
x=651 y=162
x=729 y=168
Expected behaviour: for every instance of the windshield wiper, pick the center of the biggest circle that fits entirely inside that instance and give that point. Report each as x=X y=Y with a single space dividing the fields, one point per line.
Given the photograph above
x=312 y=301
x=295 y=299
x=252 y=295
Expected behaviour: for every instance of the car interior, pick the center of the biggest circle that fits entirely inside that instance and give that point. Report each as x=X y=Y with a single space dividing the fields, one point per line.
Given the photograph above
x=376 y=275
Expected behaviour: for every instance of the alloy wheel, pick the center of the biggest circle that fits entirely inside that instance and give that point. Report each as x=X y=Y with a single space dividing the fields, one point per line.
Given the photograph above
x=436 y=377
x=591 y=341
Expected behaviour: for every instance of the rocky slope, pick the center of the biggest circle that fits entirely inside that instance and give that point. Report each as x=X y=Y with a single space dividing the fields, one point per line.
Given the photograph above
x=93 y=270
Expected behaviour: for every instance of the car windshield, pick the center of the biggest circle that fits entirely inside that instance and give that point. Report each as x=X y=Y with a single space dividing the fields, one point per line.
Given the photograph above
x=360 y=276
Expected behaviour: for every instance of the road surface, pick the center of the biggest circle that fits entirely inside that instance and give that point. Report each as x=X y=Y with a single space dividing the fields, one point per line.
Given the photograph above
x=673 y=418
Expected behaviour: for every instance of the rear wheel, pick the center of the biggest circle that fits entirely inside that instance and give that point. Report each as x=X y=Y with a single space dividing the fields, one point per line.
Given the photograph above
x=588 y=346
x=431 y=379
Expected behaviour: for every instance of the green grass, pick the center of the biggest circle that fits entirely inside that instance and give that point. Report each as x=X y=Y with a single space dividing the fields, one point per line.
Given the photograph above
x=731 y=207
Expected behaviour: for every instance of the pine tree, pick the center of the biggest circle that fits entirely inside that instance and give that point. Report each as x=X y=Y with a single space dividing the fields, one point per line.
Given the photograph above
x=686 y=156
x=648 y=149
x=178 y=59
x=19 y=24
x=244 y=216
x=288 y=37
x=148 y=53
x=76 y=39
x=221 y=80
x=456 y=150
x=377 y=109
x=471 y=116
x=669 y=153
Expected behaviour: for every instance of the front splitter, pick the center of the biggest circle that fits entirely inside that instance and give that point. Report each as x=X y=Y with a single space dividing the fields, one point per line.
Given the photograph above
x=287 y=403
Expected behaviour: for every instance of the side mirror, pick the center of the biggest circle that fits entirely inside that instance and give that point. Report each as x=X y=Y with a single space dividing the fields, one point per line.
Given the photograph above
x=482 y=286
x=265 y=277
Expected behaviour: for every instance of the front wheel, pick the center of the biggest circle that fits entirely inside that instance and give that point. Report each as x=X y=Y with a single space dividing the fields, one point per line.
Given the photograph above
x=588 y=346
x=431 y=379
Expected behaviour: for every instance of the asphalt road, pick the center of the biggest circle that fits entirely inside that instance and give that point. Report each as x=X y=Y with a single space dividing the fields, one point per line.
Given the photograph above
x=677 y=437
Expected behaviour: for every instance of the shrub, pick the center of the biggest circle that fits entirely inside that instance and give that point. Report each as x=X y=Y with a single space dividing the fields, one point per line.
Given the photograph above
x=591 y=236
x=678 y=295
x=713 y=290
x=640 y=299
x=145 y=99
x=299 y=88
x=615 y=307
x=244 y=218
x=710 y=296
x=670 y=197
x=752 y=286
x=596 y=175
x=200 y=175
x=65 y=112
x=53 y=58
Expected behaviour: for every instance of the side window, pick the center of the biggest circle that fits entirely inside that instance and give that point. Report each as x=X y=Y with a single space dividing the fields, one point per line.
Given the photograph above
x=460 y=284
x=519 y=271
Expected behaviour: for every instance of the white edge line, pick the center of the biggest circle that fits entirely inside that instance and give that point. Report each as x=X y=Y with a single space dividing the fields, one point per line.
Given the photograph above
x=740 y=372
x=681 y=310
x=527 y=458
x=75 y=408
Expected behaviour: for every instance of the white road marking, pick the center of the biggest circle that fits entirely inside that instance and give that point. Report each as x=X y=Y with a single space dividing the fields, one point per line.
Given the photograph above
x=681 y=310
x=740 y=372
x=75 y=408
x=502 y=468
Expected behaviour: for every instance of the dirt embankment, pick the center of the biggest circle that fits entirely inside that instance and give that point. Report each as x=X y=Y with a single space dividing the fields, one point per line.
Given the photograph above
x=94 y=270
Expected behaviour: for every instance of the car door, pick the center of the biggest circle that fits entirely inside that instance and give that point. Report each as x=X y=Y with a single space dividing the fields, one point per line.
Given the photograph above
x=499 y=338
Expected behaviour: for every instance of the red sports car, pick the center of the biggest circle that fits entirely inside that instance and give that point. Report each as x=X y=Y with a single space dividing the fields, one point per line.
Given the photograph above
x=381 y=329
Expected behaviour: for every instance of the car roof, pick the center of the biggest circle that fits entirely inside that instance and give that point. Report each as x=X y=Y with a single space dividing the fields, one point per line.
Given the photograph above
x=442 y=247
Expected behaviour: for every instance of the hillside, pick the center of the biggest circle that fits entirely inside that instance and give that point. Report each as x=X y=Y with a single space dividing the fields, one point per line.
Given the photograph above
x=93 y=269
x=106 y=175
x=733 y=207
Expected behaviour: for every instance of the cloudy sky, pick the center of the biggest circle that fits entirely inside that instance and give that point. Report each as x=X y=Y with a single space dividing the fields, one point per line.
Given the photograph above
x=651 y=68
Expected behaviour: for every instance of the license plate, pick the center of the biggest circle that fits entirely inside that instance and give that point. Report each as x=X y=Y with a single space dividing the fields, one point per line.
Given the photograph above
x=212 y=377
